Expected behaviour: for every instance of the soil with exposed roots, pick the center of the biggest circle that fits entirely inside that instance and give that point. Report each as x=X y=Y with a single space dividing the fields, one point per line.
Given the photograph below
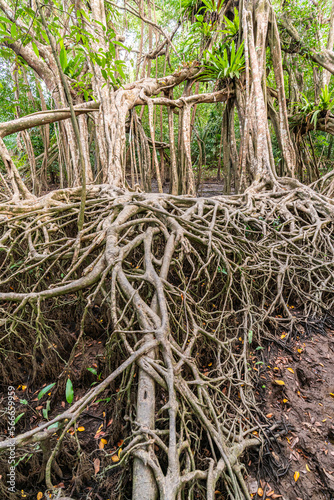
x=172 y=291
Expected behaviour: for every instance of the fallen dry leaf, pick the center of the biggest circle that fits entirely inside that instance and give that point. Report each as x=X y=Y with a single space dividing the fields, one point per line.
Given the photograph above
x=260 y=492
x=296 y=476
x=39 y=495
x=102 y=443
x=279 y=382
x=81 y=429
x=100 y=428
x=97 y=465
x=99 y=435
x=115 y=458
x=291 y=370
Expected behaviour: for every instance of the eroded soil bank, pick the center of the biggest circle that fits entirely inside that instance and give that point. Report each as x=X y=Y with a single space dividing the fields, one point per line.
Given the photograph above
x=300 y=463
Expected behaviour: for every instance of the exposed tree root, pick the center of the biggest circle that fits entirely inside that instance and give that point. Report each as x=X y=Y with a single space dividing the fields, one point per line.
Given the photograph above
x=184 y=286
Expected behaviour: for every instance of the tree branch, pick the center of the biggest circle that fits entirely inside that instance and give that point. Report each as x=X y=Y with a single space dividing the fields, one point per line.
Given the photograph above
x=45 y=117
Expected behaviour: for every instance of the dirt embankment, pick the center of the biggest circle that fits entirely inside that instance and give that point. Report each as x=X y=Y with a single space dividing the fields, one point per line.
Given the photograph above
x=300 y=464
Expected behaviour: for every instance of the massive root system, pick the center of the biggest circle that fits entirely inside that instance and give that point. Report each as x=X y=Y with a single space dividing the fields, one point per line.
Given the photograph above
x=181 y=287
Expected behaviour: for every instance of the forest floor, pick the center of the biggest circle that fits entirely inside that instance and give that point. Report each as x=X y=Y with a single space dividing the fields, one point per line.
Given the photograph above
x=303 y=410
x=298 y=465
x=209 y=187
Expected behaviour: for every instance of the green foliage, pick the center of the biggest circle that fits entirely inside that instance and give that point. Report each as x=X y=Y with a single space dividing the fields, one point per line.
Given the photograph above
x=220 y=66
x=63 y=56
x=232 y=27
x=205 y=16
x=203 y=6
x=74 y=65
x=210 y=6
x=46 y=410
x=199 y=30
x=191 y=6
x=305 y=106
x=69 y=391
x=208 y=130
x=201 y=27
x=326 y=99
x=312 y=111
x=45 y=390
x=326 y=104
x=18 y=418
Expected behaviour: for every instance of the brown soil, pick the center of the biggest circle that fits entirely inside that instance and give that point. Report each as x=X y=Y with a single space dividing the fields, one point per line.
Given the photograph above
x=99 y=431
x=300 y=464
x=297 y=465
x=210 y=187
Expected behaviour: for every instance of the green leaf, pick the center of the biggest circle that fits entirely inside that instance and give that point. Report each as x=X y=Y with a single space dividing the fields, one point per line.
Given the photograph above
x=92 y=370
x=45 y=36
x=17 y=264
x=63 y=58
x=84 y=14
x=13 y=31
x=54 y=426
x=250 y=336
x=35 y=49
x=23 y=401
x=18 y=418
x=45 y=390
x=107 y=400
x=69 y=391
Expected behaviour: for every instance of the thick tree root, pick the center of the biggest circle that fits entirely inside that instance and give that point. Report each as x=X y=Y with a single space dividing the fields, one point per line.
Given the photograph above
x=185 y=285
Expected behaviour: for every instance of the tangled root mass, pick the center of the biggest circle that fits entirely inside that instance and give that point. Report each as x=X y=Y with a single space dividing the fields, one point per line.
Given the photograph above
x=180 y=287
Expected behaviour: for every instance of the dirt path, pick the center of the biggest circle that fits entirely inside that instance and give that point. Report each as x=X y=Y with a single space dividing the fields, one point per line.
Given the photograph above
x=208 y=189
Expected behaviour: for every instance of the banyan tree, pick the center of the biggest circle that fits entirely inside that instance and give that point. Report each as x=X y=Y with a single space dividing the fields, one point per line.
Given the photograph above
x=177 y=288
